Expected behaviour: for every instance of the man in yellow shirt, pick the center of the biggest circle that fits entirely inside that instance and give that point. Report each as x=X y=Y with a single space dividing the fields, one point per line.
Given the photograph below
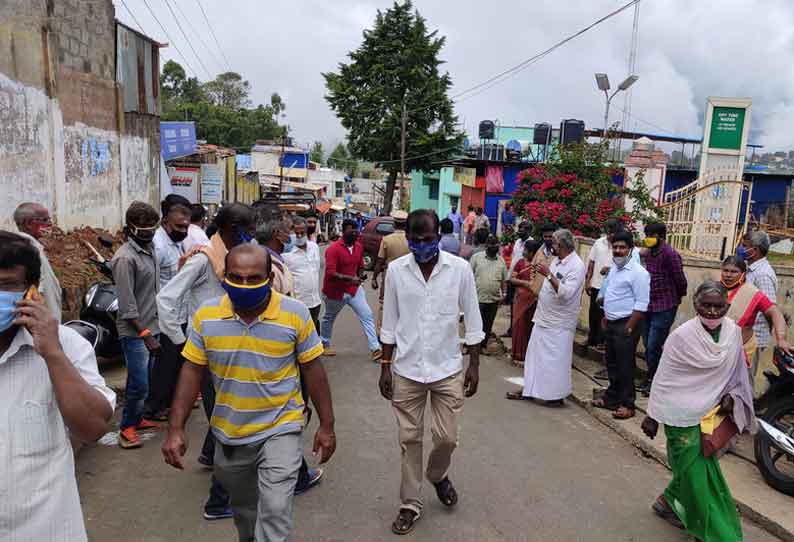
x=257 y=344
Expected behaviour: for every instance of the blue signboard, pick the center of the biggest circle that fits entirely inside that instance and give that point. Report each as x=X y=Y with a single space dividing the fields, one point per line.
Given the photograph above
x=177 y=139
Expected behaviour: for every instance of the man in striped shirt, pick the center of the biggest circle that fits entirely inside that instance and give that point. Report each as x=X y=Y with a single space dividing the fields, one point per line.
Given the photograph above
x=256 y=344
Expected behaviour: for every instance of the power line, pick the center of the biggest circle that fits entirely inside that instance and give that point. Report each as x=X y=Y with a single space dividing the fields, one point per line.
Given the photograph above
x=135 y=19
x=506 y=74
x=197 y=34
x=190 y=44
x=228 y=64
x=167 y=35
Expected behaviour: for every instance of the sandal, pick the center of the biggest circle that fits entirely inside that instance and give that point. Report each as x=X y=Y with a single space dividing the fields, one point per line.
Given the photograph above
x=516 y=396
x=602 y=403
x=405 y=522
x=446 y=493
x=663 y=510
x=623 y=413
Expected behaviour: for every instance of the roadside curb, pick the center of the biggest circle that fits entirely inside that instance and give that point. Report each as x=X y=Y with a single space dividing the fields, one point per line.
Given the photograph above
x=645 y=446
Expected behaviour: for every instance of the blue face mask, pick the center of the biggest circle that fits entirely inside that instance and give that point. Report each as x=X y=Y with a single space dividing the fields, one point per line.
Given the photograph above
x=424 y=252
x=289 y=246
x=245 y=296
x=8 y=303
x=741 y=252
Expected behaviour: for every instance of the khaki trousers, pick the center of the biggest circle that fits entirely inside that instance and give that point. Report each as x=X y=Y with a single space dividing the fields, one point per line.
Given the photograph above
x=446 y=404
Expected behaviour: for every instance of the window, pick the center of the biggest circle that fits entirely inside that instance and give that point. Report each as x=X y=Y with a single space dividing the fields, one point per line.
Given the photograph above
x=385 y=228
x=434 y=189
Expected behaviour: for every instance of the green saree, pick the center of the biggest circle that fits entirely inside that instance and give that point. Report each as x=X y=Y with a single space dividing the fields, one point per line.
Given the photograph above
x=698 y=493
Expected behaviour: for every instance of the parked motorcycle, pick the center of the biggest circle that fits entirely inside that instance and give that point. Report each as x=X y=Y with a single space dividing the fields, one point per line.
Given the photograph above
x=774 y=442
x=97 y=323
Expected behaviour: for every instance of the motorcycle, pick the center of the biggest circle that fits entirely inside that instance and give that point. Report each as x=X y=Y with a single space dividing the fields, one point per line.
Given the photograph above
x=97 y=323
x=774 y=442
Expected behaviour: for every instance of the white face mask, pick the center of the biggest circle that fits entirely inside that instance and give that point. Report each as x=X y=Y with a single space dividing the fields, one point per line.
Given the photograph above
x=301 y=241
x=620 y=261
x=711 y=323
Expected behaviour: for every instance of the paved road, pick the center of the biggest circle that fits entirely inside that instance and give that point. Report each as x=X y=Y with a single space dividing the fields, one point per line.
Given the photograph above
x=524 y=473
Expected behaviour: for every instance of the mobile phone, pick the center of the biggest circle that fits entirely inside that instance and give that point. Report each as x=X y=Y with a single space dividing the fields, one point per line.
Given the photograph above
x=32 y=294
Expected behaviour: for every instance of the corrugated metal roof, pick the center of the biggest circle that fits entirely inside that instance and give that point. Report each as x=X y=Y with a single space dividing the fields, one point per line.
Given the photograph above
x=138 y=71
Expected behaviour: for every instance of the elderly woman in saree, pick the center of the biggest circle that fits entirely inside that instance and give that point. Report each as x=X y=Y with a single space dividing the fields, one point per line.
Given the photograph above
x=524 y=300
x=747 y=302
x=702 y=370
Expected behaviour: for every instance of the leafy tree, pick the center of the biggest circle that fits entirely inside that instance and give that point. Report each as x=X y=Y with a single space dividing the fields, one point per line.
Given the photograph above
x=229 y=90
x=171 y=81
x=394 y=71
x=340 y=158
x=317 y=154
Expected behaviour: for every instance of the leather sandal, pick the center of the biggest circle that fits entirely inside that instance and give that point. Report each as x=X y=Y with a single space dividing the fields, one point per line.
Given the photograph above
x=602 y=403
x=623 y=413
x=446 y=493
x=662 y=509
x=405 y=522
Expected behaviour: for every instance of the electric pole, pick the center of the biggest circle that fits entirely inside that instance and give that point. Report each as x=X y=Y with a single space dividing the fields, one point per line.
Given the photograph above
x=402 y=151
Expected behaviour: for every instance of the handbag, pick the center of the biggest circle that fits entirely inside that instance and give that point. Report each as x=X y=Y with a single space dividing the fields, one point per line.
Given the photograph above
x=716 y=431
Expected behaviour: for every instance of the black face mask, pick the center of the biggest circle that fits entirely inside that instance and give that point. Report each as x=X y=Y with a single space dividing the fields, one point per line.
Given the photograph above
x=524 y=235
x=491 y=252
x=177 y=236
x=350 y=237
x=311 y=229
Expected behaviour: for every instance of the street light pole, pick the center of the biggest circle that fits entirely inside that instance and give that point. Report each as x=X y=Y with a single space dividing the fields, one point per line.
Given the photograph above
x=602 y=80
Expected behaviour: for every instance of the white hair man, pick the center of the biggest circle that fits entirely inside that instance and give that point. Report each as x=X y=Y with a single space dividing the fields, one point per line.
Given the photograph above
x=33 y=222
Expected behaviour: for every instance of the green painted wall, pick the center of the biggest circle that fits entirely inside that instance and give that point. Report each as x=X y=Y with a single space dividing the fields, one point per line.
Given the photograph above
x=423 y=187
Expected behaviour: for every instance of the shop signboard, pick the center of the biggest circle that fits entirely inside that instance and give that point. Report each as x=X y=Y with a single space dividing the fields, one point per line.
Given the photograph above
x=727 y=127
x=184 y=182
x=212 y=176
x=466 y=176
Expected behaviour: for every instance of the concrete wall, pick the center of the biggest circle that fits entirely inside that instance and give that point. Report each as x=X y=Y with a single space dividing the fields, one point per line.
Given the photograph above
x=420 y=190
x=697 y=271
x=60 y=118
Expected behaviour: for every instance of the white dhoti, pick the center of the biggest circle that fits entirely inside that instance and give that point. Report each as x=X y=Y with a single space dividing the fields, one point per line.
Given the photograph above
x=547 y=366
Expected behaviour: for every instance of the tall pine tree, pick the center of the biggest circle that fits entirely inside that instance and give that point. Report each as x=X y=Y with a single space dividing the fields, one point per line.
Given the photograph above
x=395 y=72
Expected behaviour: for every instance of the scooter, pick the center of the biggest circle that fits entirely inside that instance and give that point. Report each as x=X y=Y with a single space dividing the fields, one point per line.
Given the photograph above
x=774 y=442
x=97 y=323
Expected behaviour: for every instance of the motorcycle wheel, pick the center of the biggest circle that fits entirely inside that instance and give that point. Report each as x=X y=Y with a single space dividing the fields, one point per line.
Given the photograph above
x=769 y=459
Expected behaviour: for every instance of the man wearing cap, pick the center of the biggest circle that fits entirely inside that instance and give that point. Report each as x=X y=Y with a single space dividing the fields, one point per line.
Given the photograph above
x=392 y=247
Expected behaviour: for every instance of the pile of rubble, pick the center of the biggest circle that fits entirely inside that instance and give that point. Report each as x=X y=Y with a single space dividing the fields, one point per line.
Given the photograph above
x=70 y=259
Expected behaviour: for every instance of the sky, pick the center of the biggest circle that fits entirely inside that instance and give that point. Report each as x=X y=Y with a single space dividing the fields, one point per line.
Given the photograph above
x=687 y=51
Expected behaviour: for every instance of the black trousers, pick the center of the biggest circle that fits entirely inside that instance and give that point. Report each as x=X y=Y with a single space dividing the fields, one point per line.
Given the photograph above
x=595 y=335
x=488 y=313
x=621 y=350
x=163 y=377
x=511 y=294
x=315 y=312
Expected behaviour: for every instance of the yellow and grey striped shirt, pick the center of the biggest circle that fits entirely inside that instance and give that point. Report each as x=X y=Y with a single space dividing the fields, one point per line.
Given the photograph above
x=254 y=367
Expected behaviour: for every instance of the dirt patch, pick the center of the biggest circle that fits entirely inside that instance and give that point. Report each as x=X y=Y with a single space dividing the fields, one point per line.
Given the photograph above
x=69 y=257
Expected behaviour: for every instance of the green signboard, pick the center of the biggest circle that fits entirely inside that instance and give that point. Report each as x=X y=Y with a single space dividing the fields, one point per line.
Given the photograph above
x=727 y=125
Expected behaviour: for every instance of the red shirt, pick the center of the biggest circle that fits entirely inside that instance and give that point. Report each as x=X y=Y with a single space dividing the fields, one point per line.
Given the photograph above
x=338 y=259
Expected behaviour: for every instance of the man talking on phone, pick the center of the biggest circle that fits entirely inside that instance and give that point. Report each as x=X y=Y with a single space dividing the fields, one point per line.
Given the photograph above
x=50 y=389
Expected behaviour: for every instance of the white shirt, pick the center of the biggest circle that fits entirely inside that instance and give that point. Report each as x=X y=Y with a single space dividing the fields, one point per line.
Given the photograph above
x=304 y=264
x=38 y=489
x=195 y=237
x=601 y=256
x=629 y=290
x=561 y=308
x=422 y=317
x=168 y=253
x=761 y=275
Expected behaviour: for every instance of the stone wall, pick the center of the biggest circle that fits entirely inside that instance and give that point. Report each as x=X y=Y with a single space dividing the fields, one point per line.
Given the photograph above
x=698 y=270
x=64 y=138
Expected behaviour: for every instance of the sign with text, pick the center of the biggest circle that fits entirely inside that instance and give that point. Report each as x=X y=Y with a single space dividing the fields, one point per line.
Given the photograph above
x=177 y=139
x=183 y=181
x=727 y=126
x=212 y=176
x=466 y=176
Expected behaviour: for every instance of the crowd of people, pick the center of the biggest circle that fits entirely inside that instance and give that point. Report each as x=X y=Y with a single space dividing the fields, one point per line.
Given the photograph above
x=236 y=314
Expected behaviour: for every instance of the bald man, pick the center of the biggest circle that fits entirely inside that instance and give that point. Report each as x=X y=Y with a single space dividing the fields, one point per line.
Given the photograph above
x=34 y=222
x=259 y=422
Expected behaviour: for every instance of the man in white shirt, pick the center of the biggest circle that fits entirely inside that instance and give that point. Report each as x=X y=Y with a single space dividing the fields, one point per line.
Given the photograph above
x=598 y=263
x=625 y=302
x=304 y=264
x=33 y=222
x=547 y=367
x=168 y=248
x=196 y=235
x=425 y=291
x=50 y=389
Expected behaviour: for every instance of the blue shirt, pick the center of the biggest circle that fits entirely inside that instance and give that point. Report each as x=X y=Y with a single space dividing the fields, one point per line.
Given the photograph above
x=450 y=243
x=629 y=290
x=457 y=221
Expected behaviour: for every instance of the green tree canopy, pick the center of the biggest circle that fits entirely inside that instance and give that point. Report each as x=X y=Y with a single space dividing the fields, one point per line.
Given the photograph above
x=340 y=158
x=395 y=71
x=317 y=154
x=221 y=108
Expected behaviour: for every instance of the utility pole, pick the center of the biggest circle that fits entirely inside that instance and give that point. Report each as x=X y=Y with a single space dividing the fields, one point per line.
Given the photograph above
x=402 y=151
x=281 y=164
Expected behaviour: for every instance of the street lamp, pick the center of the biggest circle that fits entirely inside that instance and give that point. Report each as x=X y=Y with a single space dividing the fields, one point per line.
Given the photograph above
x=602 y=80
